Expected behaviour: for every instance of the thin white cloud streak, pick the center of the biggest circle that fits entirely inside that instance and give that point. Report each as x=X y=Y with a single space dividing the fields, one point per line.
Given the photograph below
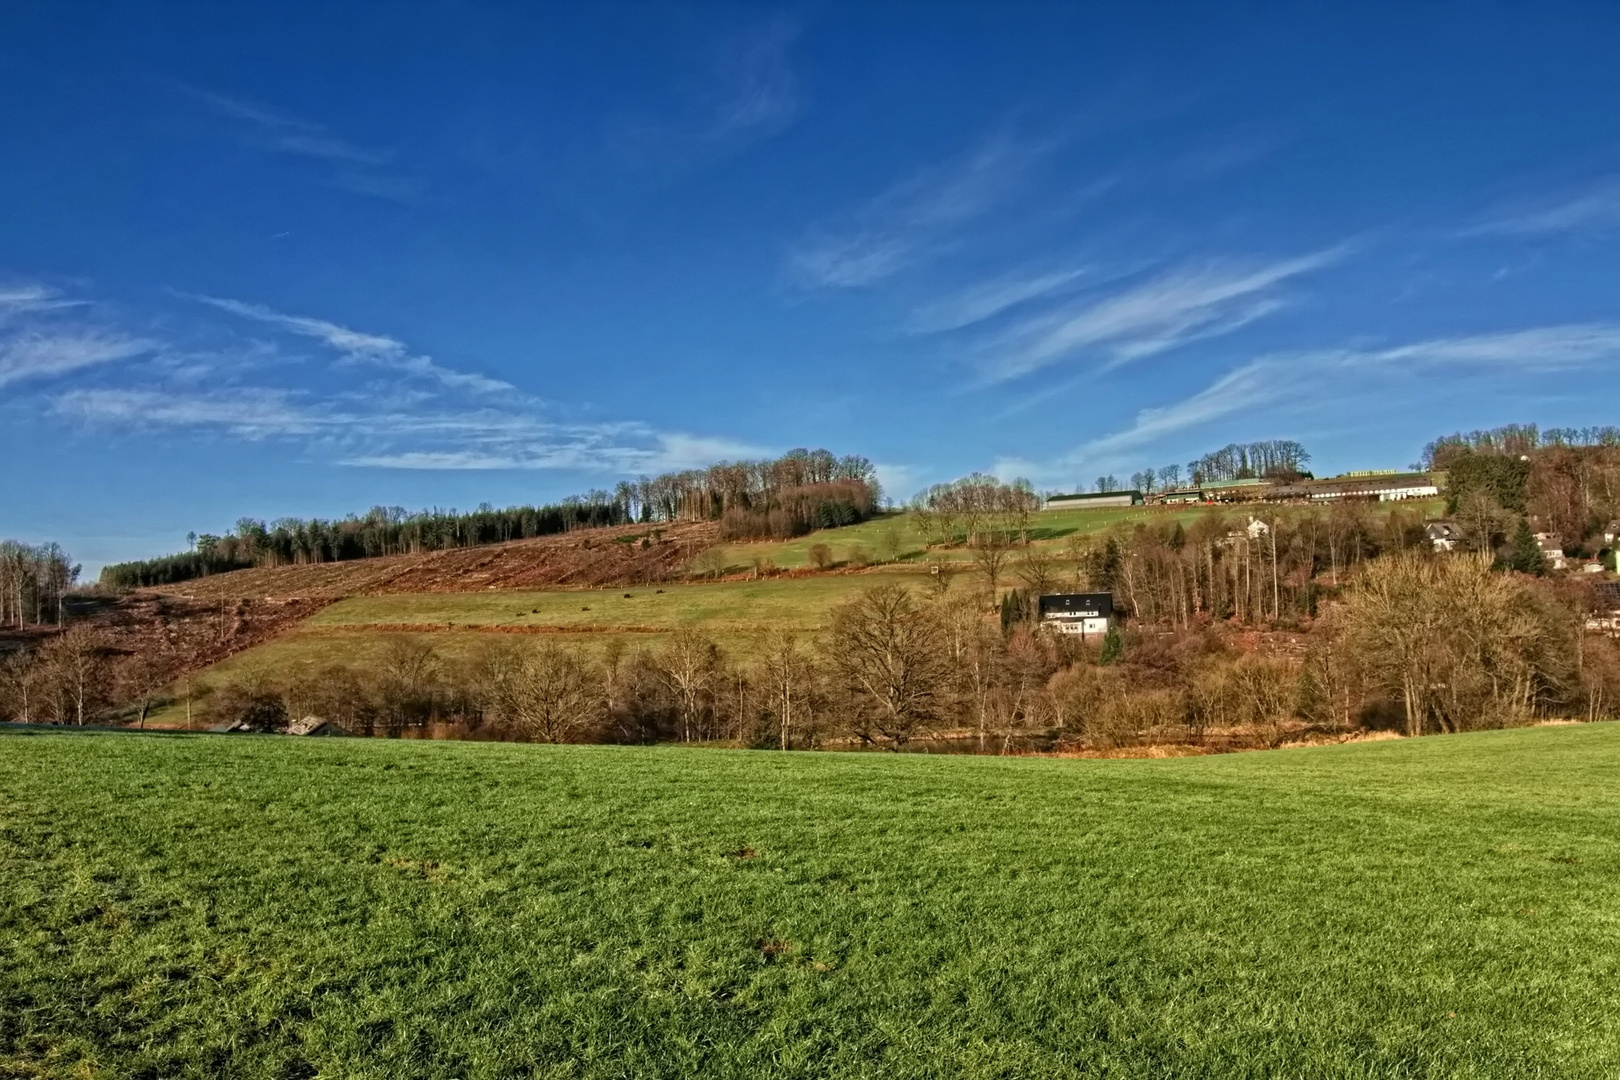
x=748 y=91
x=760 y=90
x=423 y=440
x=891 y=231
x=362 y=170
x=579 y=449
x=290 y=135
x=252 y=413
x=24 y=298
x=49 y=354
x=1539 y=348
x=369 y=348
x=1279 y=378
x=1161 y=314
x=1247 y=387
x=981 y=302
x=1595 y=210
x=454 y=423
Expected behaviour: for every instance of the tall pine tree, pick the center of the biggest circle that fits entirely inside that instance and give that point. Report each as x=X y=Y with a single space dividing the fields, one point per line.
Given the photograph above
x=1524 y=553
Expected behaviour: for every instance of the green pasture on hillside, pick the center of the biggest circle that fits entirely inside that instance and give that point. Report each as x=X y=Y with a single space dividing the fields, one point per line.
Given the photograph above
x=1047 y=528
x=867 y=541
x=739 y=615
x=799 y=603
x=195 y=906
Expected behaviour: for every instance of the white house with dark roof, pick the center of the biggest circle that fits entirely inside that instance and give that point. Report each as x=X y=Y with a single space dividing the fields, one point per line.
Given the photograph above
x=1444 y=535
x=1552 y=549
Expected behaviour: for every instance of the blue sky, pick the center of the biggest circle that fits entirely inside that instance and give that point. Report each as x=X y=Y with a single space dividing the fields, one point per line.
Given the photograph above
x=303 y=259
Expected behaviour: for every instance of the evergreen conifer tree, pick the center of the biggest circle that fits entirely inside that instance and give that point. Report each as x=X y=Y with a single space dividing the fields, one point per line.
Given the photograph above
x=1524 y=553
x=1113 y=646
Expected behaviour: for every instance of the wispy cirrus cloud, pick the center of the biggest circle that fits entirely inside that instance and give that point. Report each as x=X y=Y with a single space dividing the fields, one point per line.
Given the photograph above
x=247 y=412
x=361 y=169
x=361 y=347
x=26 y=297
x=1167 y=311
x=48 y=354
x=1595 y=208
x=435 y=438
x=895 y=229
x=978 y=303
x=1545 y=348
x=758 y=89
x=37 y=341
x=276 y=130
x=612 y=448
x=1299 y=378
x=426 y=417
x=746 y=88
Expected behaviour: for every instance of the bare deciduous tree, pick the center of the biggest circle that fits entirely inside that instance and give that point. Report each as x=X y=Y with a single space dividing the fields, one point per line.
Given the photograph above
x=1037 y=570
x=887 y=650
x=547 y=692
x=787 y=680
x=891 y=542
x=1482 y=520
x=76 y=661
x=709 y=563
x=687 y=664
x=990 y=554
x=1456 y=645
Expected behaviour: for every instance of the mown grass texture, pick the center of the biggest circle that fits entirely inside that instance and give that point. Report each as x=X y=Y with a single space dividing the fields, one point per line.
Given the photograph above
x=269 y=907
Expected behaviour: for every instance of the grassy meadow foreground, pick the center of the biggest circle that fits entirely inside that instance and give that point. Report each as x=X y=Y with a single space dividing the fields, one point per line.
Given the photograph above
x=195 y=906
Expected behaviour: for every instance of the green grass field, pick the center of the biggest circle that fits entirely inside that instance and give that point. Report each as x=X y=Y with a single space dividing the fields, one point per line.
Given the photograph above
x=1047 y=528
x=738 y=614
x=269 y=907
x=799 y=603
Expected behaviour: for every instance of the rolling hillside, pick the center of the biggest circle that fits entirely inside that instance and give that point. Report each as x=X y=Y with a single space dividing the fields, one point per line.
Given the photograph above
x=591 y=586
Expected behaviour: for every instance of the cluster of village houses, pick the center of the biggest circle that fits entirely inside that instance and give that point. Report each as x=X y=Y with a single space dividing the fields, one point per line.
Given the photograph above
x=1447 y=536
x=1391 y=486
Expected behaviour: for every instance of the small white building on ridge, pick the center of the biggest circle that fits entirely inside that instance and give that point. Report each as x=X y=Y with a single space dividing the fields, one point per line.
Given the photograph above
x=1093 y=500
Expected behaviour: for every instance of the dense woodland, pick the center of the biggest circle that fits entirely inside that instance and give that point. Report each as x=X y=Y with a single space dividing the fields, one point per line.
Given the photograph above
x=1249 y=628
x=780 y=497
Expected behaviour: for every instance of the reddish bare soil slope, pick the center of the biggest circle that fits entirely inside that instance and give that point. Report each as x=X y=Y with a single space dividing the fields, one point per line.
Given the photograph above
x=630 y=554
x=182 y=634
